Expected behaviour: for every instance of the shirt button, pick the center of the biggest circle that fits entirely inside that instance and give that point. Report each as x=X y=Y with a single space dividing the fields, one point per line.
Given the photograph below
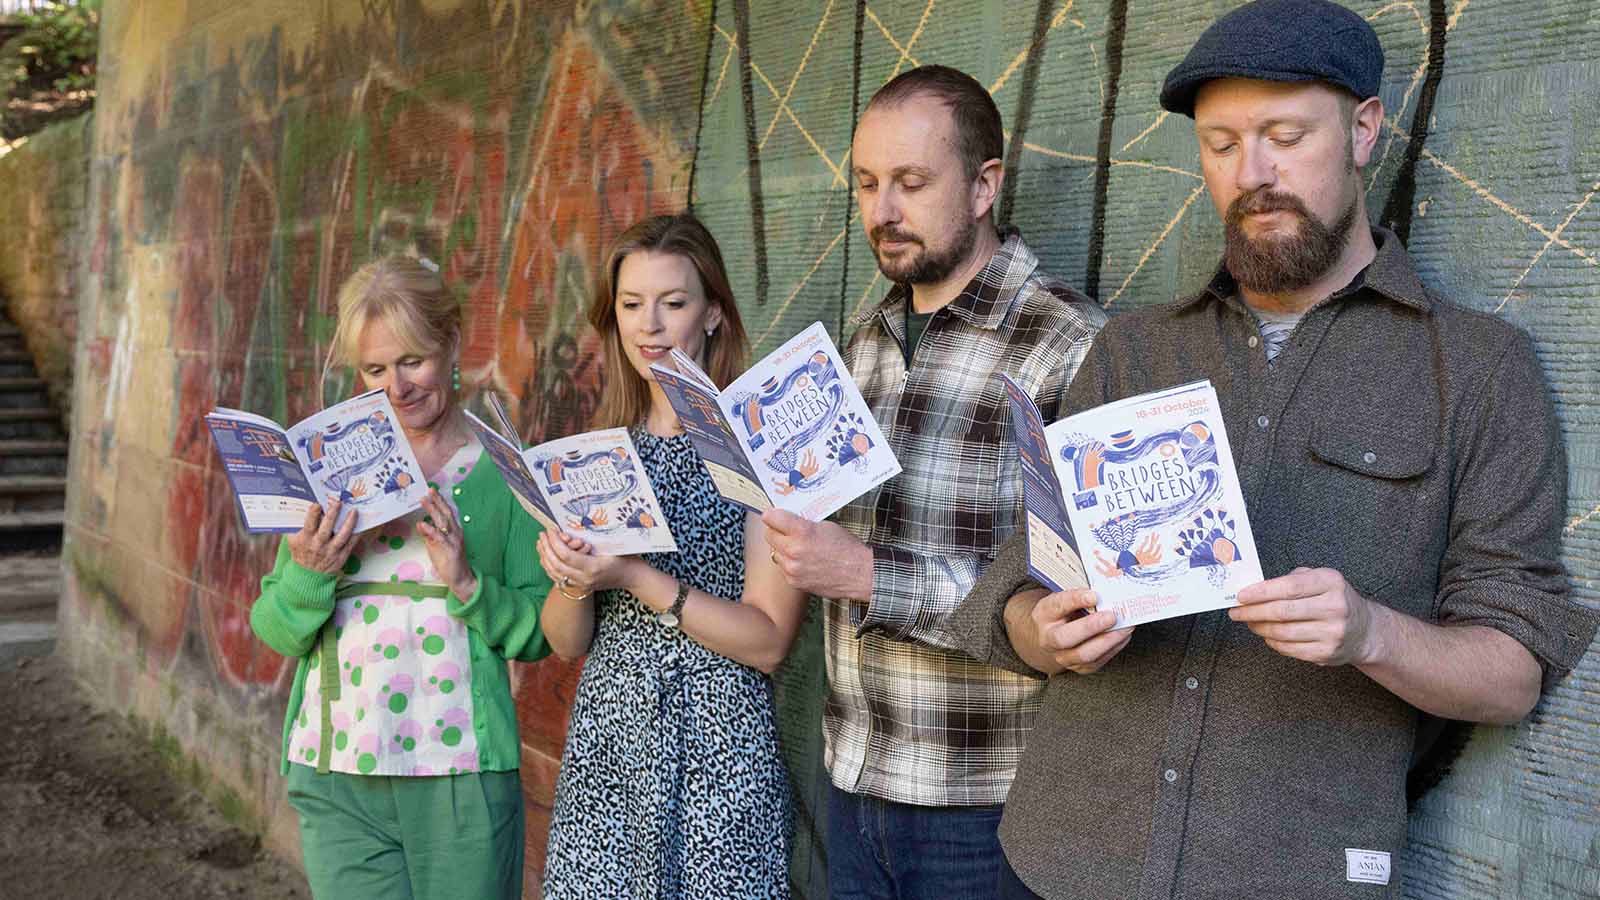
x=1369 y=457
x=1254 y=340
x=1261 y=421
x=1191 y=682
x=1170 y=775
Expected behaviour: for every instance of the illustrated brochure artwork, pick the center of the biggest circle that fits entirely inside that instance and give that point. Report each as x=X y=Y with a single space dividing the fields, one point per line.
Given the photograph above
x=1152 y=515
x=352 y=452
x=792 y=432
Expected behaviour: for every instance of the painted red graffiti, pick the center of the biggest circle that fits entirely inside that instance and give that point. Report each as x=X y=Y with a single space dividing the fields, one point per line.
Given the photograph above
x=595 y=169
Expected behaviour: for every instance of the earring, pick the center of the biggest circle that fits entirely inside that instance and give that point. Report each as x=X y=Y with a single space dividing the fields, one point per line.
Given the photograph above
x=455 y=376
x=711 y=330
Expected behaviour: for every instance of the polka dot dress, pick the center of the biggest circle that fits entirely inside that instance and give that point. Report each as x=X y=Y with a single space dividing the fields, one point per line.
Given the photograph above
x=405 y=699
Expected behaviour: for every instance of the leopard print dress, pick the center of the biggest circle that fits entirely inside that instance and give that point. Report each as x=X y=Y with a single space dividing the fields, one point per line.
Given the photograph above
x=671 y=783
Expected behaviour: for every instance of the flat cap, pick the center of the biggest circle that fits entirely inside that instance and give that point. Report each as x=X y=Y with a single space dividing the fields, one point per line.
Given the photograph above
x=1280 y=40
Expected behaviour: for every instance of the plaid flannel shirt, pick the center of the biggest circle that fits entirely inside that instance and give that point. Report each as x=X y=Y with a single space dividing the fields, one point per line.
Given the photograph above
x=909 y=718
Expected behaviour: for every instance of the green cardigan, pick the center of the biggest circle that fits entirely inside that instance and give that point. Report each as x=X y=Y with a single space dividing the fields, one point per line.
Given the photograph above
x=502 y=616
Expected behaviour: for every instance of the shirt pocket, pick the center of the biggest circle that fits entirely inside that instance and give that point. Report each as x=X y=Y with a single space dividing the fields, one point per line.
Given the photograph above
x=1359 y=498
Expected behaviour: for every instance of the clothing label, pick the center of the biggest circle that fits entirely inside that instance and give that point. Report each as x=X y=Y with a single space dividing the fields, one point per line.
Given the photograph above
x=1366 y=866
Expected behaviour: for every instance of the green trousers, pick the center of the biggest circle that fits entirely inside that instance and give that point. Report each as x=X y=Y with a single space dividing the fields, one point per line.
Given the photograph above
x=446 y=837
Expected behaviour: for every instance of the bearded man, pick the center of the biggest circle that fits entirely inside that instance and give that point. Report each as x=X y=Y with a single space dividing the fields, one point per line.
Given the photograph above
x=921 y=742
x=1406 y=484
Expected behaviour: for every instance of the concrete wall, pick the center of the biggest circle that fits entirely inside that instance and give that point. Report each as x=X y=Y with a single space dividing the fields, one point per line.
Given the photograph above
x=246 y=157
x=44 y=224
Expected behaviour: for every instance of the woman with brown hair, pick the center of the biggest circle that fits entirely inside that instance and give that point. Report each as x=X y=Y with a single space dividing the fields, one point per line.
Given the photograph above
x=400 y=741
x=671 y=784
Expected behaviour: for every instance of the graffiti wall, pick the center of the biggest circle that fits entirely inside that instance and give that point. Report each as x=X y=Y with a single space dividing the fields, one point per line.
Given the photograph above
x=246 y=157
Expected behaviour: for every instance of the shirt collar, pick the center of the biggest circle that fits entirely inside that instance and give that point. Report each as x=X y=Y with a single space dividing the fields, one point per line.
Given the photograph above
x=1390 y=274
x=986 y=299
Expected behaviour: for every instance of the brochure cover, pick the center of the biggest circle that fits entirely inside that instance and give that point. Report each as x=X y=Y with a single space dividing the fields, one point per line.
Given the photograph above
x=596 y=489
x=794 y=426
x=353 y=452
x=1153 y=502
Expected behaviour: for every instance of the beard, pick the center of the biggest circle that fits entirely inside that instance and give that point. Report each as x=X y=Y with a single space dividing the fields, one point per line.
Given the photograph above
x=1276 y=264
x=918 y=264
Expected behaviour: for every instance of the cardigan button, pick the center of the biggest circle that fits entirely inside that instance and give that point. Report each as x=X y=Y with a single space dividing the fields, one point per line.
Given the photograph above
x=456 y=491
x=466 y=518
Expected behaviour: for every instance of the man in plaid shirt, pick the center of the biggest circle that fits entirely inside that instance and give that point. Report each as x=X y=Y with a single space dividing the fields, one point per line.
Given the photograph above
x=921 y=741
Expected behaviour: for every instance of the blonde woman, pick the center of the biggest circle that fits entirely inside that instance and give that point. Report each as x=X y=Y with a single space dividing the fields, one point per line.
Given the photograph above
x=400 y=741
x=671 y=784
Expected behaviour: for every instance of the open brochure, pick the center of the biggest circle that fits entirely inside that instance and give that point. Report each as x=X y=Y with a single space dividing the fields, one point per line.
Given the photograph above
x=353 y=452
x=793 y=432
x=1144 y=492
x=590 y=485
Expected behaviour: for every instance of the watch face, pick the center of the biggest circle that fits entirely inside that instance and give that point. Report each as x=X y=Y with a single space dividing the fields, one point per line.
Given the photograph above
x=667 y=619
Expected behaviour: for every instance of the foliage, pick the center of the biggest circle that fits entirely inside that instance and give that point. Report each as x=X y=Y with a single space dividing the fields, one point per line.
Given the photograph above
x=47 y=70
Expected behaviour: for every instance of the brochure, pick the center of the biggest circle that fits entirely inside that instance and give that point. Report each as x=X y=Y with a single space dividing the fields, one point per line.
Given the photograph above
x=589 y=485
x=353 y=452
x=1143 y=491
x=792 y=432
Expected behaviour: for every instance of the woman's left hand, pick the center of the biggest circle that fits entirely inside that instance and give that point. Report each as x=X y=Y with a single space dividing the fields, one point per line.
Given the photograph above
x=446 y=549
x=577 y=569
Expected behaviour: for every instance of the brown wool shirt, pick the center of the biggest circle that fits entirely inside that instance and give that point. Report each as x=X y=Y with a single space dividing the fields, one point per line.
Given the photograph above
x=1406 y=442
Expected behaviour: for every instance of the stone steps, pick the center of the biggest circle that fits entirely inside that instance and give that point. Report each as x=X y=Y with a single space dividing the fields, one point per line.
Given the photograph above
x=32 y=457
x=33 y=452
x=33 y=422
x=23 y=393
x=15 y=363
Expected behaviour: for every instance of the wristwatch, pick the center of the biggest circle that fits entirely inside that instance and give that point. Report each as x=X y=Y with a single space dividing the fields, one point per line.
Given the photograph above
x=673 y=618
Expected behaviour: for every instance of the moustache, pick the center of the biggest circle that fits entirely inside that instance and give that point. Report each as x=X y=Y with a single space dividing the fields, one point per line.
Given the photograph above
x=1264 y=201
x=888 y=233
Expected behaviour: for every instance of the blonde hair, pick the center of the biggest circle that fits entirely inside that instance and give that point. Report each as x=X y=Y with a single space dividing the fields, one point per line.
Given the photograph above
x=405 y=295
x=625 y=398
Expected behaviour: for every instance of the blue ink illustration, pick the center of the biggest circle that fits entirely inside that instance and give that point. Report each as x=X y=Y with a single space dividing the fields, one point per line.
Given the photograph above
x=356 y=460
x=792 y=413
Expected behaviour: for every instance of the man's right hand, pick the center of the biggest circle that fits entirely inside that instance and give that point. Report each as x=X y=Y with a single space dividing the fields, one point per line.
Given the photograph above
x=317 y=546
x=1071 y=634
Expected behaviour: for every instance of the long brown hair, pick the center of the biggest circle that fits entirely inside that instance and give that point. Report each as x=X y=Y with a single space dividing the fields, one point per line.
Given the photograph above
x=625 y=399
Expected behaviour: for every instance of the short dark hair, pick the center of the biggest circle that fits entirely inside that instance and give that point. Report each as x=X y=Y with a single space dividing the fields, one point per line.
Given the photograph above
x=980 y=136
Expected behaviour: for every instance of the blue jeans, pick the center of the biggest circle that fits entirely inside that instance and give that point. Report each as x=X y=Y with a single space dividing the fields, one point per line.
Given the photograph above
x=880 y=850
x=1011 y=886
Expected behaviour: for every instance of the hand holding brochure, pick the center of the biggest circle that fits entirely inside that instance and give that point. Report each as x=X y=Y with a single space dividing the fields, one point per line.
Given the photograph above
x=589 y=485
x=793 y=432
x=353 y=452
x=1148 y=488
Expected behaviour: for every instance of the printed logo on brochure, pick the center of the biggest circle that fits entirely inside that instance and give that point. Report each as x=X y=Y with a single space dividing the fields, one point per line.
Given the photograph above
x=586 y=484
x=356 y=460
x=799 y=416
x=1162 y=497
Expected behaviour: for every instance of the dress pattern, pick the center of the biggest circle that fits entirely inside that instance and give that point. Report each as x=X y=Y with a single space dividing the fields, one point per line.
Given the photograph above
x=405 y=666
x=671 y=783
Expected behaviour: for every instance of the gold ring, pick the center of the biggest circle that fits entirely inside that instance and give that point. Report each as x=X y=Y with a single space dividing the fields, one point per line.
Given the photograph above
x=565 y=581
